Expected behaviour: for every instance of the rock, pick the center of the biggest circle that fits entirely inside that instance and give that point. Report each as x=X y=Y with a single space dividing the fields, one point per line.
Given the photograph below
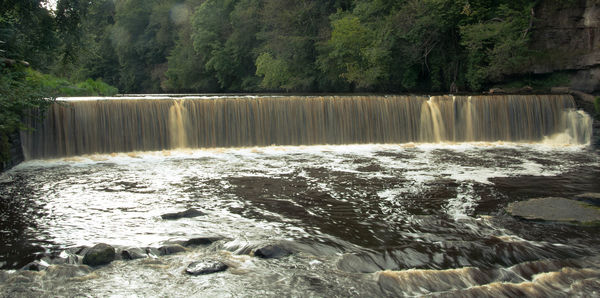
x=171 y=249
x=133 y=253
x=497 y=91
x=590 y=197
x=78 y=250
x=272 y=252
x=202 y=240
x=38 y=265
x=99 y=254
x=205 y=267
x=184 y=214
x=65 y=257
x=525 y=89
x=560 y=90
x=152 y=252
x=555 y=209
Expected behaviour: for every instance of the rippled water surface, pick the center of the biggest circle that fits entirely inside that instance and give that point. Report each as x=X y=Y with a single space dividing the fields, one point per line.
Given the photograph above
x=364 y=220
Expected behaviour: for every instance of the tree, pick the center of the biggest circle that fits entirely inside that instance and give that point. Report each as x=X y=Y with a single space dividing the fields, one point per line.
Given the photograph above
x=497 y=43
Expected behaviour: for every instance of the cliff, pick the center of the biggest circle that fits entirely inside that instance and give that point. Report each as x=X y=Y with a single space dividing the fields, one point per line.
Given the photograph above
x=15 y=153
x=569 y=33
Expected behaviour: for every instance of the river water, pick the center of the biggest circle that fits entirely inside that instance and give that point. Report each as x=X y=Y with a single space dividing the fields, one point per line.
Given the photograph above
x=416 y=208
x=360 y=220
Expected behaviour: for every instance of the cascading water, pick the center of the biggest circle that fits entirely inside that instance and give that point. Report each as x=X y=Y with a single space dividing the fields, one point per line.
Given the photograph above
x=76 y=127
x=417 y=205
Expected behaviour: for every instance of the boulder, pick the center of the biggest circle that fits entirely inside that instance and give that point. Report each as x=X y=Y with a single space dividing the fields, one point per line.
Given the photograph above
x=272 y=252
x=183 y=214
x=171 y=249
x=99 y=254
x=555 y=209
x=133 y=253
x=205 y=267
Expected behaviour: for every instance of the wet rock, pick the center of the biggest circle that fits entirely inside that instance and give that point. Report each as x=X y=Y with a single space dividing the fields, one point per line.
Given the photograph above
x=171 y=249
x=272 y=252
x=78 y=250
x=37 y=265
x=202 y=240
x=3 y=276
x=184 y=214
x=555 y=209
x=152 y=252
x=133 y=253
x=590 y=197
x=100 y=254
x=205 y=267
x=65 y=257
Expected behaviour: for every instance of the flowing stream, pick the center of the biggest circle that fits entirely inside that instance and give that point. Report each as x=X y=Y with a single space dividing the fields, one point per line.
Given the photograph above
x=418 y=209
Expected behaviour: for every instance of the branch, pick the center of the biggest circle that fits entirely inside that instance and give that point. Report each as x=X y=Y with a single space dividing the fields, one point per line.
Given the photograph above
x=530 y=24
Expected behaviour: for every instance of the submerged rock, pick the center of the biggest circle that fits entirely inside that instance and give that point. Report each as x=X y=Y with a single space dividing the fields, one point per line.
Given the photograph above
x=183 y=214
x=170 y=249
x=205 y=267
x=100 y=254
x=68 y=271
x=64 y=257
x=37 y=265
x=555 y=209
x=272 y=252
x=202 y=240
x=133 y=253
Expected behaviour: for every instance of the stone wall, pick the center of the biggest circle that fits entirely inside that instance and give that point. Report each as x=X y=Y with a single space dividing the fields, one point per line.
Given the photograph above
x=569 y=31
x=16 y=153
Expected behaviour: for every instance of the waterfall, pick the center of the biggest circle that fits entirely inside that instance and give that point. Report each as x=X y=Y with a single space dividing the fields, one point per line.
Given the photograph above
x=106 y=125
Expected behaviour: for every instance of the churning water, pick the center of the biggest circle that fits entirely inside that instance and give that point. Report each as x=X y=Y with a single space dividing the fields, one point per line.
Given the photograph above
x=368 y=220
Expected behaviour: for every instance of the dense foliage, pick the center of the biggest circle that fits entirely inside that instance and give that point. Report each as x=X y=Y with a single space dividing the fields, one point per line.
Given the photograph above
x=296 y=45
x=31 y=36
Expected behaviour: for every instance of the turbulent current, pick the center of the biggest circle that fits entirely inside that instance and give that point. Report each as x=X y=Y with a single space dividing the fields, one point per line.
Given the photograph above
x=400 y=218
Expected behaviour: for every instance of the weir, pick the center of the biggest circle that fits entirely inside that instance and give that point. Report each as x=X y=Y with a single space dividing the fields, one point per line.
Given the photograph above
x=77 y=126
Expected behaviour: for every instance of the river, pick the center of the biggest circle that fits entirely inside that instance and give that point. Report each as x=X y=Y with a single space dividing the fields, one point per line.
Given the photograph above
x=364 y=220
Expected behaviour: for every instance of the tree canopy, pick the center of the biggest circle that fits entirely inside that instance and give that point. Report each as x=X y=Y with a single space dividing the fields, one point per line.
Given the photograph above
x=286 y=45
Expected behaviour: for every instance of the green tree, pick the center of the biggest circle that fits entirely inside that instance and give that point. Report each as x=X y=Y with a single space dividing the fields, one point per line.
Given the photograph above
x=497 y=40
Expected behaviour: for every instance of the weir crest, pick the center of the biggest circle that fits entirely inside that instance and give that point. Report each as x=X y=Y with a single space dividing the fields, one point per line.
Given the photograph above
x=76 y=126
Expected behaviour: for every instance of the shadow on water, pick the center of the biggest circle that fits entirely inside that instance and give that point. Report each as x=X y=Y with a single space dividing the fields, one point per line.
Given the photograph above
x=19 y=227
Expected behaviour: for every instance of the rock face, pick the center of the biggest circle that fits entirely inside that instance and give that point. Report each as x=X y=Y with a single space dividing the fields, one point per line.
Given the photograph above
x=205 y=267
x=15 y=153
x=184 y=214
x=100 y=254
x=570 y=32
x=556 y=209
